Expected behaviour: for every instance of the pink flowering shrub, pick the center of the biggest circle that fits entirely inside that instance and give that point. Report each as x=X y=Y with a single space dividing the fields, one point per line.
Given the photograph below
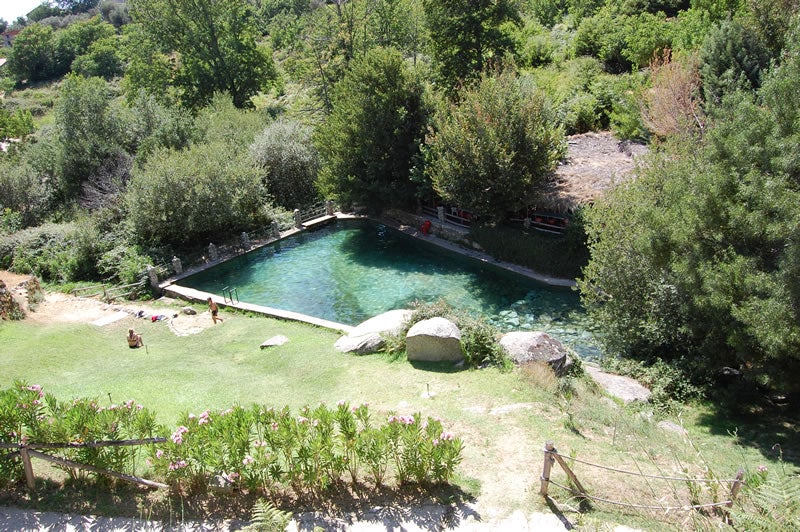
x=257 y=448
x=28 y=415
x=266 y=449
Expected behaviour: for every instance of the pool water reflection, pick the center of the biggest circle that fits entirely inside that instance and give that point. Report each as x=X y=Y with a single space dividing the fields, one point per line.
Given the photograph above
x=351 y=270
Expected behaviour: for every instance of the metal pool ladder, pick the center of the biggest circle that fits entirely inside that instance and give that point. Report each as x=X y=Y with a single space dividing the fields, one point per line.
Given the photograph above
x=230 y=293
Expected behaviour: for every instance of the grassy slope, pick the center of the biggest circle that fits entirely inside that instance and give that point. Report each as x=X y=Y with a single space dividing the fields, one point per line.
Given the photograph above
x=223 y=365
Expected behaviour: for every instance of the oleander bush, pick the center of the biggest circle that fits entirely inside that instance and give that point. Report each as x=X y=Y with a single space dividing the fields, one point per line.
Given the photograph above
x=268 y=450
x=28 y=415
x=258 y=449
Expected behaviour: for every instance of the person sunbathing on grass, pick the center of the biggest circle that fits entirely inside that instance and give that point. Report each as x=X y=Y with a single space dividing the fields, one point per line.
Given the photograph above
x=134 y=340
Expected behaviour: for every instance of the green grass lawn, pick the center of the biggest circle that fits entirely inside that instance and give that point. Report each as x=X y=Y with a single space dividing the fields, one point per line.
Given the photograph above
x=504 y=418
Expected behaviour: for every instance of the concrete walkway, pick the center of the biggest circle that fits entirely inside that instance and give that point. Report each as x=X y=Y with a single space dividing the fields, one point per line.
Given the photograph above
x=420 y=518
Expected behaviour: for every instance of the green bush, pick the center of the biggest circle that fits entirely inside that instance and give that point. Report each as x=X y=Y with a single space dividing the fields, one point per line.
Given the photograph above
x=289 y=161
x=123 y=263
x=192 y=197
x=266 y=449
x=258 y=448
x=54 y=252
x=503 y=131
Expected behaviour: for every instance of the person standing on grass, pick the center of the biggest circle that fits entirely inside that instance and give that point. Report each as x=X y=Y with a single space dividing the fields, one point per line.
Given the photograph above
x=214 y=311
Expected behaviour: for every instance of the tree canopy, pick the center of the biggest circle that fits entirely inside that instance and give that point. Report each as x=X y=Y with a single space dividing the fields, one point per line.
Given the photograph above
x=217 y=45
x=466 y=34
x=492 y=151
x=371 y=139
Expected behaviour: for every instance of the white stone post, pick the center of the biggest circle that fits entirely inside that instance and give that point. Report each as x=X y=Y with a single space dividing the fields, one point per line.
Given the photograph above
x=152 y=274
x=245 y=240
x=213 y=252
x=298 y=222
x=177 y=266
x=329 y=207
x=440 y=211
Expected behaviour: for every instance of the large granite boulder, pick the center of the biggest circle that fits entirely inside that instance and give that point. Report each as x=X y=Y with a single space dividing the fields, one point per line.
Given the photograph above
x=536 y=347
x=434 y=340
x=367 y=337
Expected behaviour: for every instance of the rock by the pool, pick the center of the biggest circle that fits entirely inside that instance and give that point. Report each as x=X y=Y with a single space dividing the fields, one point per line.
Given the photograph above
x=434 y=340
x=619 y=386
x=367 y=337
x=525 y=347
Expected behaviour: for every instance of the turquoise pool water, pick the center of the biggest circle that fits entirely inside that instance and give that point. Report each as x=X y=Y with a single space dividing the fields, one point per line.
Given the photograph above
x=352 y=270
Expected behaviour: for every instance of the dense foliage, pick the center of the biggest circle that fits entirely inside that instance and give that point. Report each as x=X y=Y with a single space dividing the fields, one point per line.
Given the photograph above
x=371 y=139
x=711 y=271
x=286 y=154
x=468 y=35
x=495 y=148
x=258 y=448
x=216 y=43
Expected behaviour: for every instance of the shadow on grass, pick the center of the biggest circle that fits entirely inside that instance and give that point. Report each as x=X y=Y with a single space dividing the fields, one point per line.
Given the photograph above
x=437 y=367
x=429 y=507
x=765 y=421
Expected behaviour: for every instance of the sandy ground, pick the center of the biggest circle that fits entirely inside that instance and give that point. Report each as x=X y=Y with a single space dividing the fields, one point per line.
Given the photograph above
x=63 y=308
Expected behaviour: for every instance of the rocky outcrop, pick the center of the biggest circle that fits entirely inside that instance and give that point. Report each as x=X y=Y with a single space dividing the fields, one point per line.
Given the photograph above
x=9 y=308
x=536 y=347
x=367 y=337
x=434 y=340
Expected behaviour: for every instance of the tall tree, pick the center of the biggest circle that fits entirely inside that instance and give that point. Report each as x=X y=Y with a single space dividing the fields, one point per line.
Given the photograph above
x=216 y=40
x=88 y=130
x=465 y=34
x=372 y=137
x=493 y=151
x=32 y=56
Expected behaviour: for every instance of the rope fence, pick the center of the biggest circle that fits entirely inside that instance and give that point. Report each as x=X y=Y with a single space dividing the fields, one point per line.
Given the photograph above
x=552 y=456
x=26 y=451
x=642 y=506
x=682 y=479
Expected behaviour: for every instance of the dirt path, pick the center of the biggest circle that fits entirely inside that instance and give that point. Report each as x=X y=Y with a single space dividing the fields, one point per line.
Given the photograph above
x=58 y=307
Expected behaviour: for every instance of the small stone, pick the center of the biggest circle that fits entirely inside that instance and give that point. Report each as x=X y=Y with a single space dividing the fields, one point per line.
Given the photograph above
x=220 y=484
x=189 y=311
x=671 y=427
x=274 y=341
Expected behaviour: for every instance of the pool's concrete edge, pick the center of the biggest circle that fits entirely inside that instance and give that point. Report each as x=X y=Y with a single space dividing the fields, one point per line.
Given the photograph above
x=472 y=253
x=170 y=289
x=190 y=294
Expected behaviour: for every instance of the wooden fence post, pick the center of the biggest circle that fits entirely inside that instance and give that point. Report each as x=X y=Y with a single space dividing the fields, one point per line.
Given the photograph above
x=570 y=474
x=736 y=486
x=548 y=464
x=26 y=463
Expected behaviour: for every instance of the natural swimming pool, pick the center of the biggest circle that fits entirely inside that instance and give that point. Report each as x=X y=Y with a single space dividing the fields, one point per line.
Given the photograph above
x=351 y=270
